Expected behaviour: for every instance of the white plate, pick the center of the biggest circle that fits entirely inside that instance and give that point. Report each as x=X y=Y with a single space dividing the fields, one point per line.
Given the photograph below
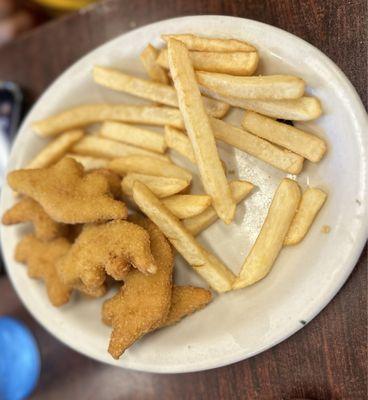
x=304 y=279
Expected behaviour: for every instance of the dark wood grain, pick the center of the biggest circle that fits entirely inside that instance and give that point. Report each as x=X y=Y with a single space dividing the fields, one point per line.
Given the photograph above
x=325 y=360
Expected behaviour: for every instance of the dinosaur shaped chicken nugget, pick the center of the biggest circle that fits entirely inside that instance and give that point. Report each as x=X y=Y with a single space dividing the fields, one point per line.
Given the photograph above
x=109 y=248
x=41 y=258
x=67 y=194
x=143 y=302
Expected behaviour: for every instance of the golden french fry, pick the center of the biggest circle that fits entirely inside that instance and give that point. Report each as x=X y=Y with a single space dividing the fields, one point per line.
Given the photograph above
x=197 y=224
x=199 y=131
x=310 y=204
x=274 y=87
x=305 y=144
x=130 y=134
x=257 y=147
x=234 y=63
x=160 y=186
x=89 y=163
x=100 y=147
x=155 y=72
x=148 y=166
x=217 y=275
x=272 y=235
x=178 y=141
x=303 y=109
x=90 y=113
x=56 y=149
x=187 y=205
x=193 y=42
x=150 y=90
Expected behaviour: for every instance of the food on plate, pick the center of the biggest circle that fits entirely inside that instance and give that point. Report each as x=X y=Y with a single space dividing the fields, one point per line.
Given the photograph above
x=241 y=139
x=149 y=90
x=199 y=131
x=270 y=240
x=113 y=180
x=217 y=275
x=234 y=63
x=178 y=141
x=195 y=225
x=143 y=302
x=28 y=210
x=155 y=72
x=56 y=149
x=134 y=135
x=270 y=87
x=111 y=248
x=149 y=166
x=41 y=258
x=187 y=205
x=186 y=300
x=159 y=185
x=300 y=142
x=310 y=204
x=67 y=194
x=200 y=43
x=101 y=147
x=87 y=114
x=89 y=163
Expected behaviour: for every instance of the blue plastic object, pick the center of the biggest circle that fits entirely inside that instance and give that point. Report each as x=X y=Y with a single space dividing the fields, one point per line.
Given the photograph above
x=19 y=360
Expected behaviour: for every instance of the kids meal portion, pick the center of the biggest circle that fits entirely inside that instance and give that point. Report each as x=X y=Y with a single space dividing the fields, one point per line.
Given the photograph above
x=77 y=190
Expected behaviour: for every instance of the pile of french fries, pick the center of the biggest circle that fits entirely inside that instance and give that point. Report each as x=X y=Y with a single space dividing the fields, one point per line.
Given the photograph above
x=192 y=84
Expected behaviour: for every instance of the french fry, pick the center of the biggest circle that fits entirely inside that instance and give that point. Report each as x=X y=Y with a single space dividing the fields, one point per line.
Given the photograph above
x=270 y=87
x=130 y=134
x=197 y=224
x=56 y=149
x=257 y=147
x=217 y=275
x=310 y=204
x=155 y=72
x=149 y=90
x=199 y=131
x=100 y=147
x=149 y=166
x=305 y=144
x=89 y=163
x=272 y=235
x=178 y=141
x=91 y=113
x=160 y=186
x=193 y=42
x=303 y=109
x=187 y=205
x=234 y=63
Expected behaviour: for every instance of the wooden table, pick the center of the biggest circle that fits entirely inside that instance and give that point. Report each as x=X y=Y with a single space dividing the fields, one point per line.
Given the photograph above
x=326 y=360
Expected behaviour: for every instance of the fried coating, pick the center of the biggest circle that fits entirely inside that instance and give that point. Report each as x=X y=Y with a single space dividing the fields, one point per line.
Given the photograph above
x=142 y=304
x=114 y=181
x=28 y=210
x=106 y=249
x=186 y=300
x=67 y=194
x=41 y=258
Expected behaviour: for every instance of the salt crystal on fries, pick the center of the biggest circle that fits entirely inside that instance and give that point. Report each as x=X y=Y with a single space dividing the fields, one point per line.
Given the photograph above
x=312 y=201
x=155 y=72
x=179 y=141
x=274 y=87
x=187 y=205
x=200 y=131
x=217 y=275
x=272 y=235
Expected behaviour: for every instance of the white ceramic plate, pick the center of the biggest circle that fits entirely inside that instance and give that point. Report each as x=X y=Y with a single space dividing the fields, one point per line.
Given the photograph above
x=304 y=279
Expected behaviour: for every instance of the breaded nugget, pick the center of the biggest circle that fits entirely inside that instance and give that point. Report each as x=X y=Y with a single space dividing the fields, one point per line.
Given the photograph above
x=67 y=194
x=41 y=258
x=109 y=248
x=114 y=181
x=28 y=210
x=142 y=304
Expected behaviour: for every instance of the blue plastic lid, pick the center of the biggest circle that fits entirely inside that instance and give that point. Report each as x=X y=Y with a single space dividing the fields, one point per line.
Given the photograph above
x=19 y=360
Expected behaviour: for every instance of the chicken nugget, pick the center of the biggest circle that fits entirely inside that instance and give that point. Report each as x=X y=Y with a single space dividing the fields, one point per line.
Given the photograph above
x=143 y=302
x=114 y=181
x=41 y=258
x=67 y=194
